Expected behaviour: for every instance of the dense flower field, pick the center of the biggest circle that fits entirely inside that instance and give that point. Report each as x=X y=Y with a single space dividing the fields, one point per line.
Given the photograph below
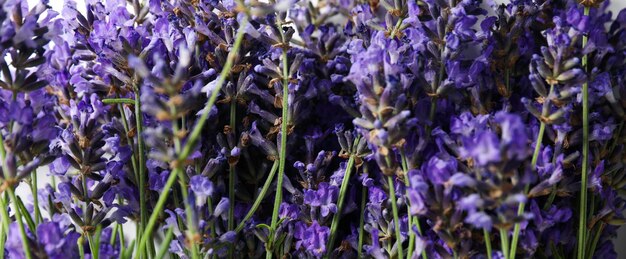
x=308 y=129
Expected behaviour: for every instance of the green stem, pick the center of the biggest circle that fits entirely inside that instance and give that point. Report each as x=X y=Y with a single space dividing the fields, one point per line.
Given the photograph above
x=504 y=242
x=582 y=223
x=259 y=198
x=133 y=160
x=362 y=221
x=342 y=194
x=595 y=241
x=3 y=232
x=3 y=207
x=396 y=218
x=141 y=164
x=92 y=246
x=487 y=238
x=20 y=224
x=5 y=223
x=157 y=208
x=231 y=178
x=396 y=28
x=81 y=250
x=192 y=138
x=166 y=243
x=119 y=101
x=412 y=219
x=33 y=188
x=114 y=234
x=191 y=225
x=4 y=213
x=533 y=164
x=195 y=133
x=283 y=145
x=25 y=214
x=2 y=151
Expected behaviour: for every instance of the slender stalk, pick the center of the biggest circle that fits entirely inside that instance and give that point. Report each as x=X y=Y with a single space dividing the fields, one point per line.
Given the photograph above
x=192 y=138
x=121 y=231
x=122 y=252
x=396 y=219
x=114 y=234
x=26 y=215
x=141 y=163
x=342 y=194
x=362 y=221
x=283 y=144
x=33 y=189
x=92 y=246
x=191 y=225
x=5 y=224
x=195 y=133
x=130 y=140
x=119 y=101
x=596 y=238
x=504 y=242
x=166 y=243
x=582 y=212
x=259 y=198
x=81 y=250
x=487 y=238
x=97 y=242
x=3 y=232
x=231 y=178
x=4 y=215
x=157 y=208
x=533 y=165
x=2 y=151
x=412 y=219
x=183 y=188
x=20 y=224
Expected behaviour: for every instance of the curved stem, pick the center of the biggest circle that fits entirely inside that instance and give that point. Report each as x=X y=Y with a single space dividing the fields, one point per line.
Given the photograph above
x=582 y=212
x=259 y=198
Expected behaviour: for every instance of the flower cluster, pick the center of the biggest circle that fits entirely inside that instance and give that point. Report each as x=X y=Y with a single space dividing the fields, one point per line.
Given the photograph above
x=310 y=129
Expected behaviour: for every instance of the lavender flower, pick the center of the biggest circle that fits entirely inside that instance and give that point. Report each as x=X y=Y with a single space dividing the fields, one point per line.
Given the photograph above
x=340 y=129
